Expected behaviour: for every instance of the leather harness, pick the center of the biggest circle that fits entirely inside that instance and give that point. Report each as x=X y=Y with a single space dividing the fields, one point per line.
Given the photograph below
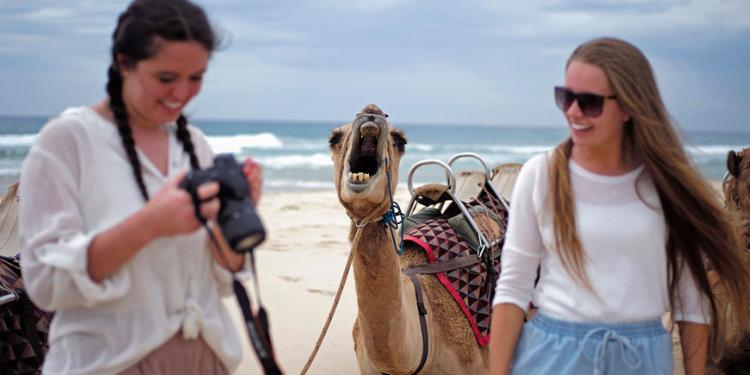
x=433 y=268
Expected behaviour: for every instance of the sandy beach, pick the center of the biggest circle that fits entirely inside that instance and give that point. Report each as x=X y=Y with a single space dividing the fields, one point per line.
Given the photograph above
x=299 y=268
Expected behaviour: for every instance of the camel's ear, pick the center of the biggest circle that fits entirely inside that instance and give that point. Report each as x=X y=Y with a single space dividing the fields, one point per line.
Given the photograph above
x=335 y=138
x=733 y=163
x=399 y=139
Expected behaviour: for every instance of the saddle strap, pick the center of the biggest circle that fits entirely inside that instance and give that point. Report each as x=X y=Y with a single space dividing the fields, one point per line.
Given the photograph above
x=444 y=266
x=422 y=322
x=447 y=265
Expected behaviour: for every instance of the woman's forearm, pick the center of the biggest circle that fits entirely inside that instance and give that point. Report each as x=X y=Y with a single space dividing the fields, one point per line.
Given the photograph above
x=694 y=338
x=112 y=249
x=507 y=322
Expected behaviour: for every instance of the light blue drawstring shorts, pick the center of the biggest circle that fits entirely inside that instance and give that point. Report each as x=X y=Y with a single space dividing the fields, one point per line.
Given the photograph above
x=553 y=346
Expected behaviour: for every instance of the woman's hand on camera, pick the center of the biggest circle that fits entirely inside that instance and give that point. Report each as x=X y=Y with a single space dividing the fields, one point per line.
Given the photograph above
x=254 y=175
x=171 y=210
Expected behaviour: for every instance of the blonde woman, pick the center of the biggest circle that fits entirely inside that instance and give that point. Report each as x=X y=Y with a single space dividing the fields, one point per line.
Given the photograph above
x=622 y=228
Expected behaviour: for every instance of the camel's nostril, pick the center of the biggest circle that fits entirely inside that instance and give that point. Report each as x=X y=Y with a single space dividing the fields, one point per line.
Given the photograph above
x=371 y=118
x=369 y=129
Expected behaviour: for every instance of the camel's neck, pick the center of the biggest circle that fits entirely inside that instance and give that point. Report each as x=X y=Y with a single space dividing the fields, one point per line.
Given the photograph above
x=743 y=221
x=387 y=316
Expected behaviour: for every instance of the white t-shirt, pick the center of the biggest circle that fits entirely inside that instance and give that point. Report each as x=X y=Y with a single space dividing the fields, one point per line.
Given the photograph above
x=77 y=182
x=623 y=235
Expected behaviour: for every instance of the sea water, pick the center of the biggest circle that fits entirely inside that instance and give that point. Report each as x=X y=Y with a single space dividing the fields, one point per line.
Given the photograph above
x=295 y=155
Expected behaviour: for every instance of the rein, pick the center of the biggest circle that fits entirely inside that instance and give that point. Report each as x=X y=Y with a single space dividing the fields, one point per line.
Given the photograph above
x=394 y=216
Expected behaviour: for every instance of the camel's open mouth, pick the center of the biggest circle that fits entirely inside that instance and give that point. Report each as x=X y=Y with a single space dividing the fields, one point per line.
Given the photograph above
x=366 y=151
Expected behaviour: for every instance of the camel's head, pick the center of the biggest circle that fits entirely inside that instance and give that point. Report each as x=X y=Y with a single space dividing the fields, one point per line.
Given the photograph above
x=362 y=152
x=737 y=185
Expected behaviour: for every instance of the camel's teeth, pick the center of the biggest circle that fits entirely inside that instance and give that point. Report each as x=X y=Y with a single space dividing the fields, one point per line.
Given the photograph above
x=358 y=177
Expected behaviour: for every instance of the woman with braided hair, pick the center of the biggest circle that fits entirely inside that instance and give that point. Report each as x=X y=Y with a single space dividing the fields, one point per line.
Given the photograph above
x=110 y=242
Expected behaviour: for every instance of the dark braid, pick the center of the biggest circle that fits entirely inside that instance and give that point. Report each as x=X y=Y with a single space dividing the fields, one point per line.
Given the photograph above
x=117 y=105
x=183 y=135
x=134 y=40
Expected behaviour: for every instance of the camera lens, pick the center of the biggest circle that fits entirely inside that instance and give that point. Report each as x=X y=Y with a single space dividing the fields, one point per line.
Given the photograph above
x=241 y=225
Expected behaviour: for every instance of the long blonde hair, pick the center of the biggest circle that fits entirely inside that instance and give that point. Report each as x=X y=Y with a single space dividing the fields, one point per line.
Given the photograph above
x=700 y=234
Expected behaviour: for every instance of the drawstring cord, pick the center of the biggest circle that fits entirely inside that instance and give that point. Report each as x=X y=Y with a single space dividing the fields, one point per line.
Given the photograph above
x=600 y=351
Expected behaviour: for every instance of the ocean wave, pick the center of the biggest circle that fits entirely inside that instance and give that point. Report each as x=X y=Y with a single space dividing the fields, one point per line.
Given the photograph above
x=708 y=150
x=236 y=143
x=10 y=171
x=521 y=149
x=13 y=152
x=297 y=184
x=17 y=140
x=515 y=149
x=713 y=150
x=312 y=161
x=420 y=147
x=305 y=144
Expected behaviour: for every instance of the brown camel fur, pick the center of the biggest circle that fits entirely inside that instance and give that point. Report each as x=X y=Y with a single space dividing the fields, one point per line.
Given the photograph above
x=734 y=348
x=387 y=335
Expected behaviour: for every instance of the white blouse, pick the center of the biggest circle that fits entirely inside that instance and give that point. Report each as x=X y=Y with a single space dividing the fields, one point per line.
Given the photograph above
x=623 y=235
x=77 y=182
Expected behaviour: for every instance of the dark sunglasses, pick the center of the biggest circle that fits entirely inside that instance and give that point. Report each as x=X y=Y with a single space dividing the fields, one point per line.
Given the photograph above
x=591 y=105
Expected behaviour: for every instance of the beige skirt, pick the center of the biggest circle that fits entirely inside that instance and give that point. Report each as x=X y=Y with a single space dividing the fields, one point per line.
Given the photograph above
x=179 y=356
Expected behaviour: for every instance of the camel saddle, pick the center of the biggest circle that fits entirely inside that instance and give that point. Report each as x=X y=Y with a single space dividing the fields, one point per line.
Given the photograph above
x=452 y=248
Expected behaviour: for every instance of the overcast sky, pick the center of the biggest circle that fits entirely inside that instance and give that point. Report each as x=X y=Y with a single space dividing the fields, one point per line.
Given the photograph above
x=436 y=61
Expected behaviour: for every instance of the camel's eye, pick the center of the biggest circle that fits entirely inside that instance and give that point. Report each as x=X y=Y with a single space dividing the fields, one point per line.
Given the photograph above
x=334 y=139
x=399 y=140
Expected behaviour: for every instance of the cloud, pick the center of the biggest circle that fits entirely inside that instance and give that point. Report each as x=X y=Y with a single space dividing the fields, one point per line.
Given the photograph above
x=535 y=18
x=75 y=17
x=47 y=15
x=16 y=43
x=258 y=32
x=483 y=62
x=419 y=92
x=375 y=6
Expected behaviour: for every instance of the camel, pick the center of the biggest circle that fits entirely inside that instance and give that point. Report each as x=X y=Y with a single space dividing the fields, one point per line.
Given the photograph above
x=734 y=349
x=737 y=191
x=387 y=335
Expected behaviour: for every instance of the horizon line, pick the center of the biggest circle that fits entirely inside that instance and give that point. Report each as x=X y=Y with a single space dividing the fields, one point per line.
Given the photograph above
x=742 y=130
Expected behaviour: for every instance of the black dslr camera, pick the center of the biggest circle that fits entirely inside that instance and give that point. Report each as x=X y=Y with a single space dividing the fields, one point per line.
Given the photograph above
x=237 y=218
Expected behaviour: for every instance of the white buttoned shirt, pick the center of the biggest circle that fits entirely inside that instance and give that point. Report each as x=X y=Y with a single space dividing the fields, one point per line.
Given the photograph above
x=77 y=182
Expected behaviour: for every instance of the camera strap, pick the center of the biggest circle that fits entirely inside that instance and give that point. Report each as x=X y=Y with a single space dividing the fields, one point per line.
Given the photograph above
x=257 y=325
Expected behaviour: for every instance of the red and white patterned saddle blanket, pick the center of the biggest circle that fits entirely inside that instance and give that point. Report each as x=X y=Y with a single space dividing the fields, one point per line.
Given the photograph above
x=470 y=286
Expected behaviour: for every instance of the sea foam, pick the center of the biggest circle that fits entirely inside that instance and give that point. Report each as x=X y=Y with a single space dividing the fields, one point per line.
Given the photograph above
x=236 y=143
